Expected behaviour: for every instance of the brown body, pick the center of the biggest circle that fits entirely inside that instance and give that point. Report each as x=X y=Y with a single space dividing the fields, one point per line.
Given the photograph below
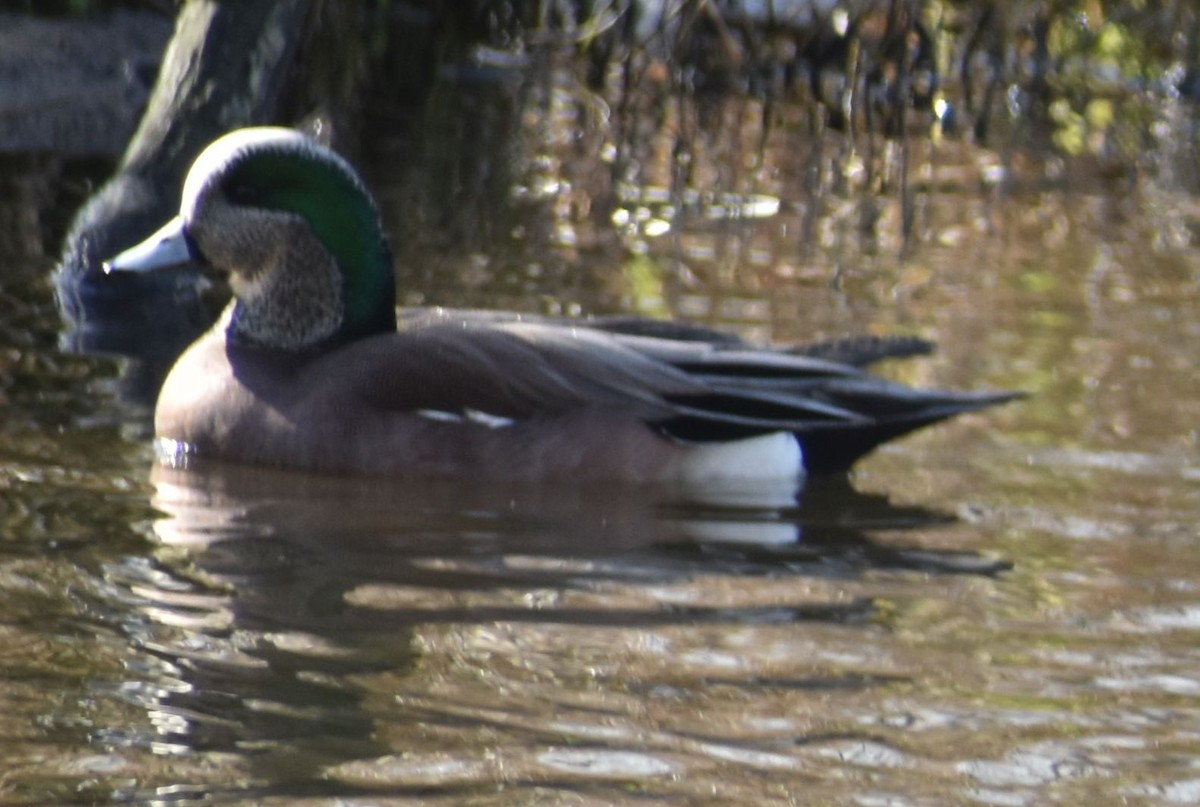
x=383 y=405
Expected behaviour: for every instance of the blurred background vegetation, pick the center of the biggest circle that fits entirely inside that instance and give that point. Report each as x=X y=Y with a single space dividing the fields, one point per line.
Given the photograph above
x=1094 y=71
x=1041 y=93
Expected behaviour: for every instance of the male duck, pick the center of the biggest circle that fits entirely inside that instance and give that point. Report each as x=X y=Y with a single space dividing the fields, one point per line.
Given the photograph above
x=306 y=369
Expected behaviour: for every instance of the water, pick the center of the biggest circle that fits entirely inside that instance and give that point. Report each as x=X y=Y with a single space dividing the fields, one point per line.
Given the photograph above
x=1001 y=610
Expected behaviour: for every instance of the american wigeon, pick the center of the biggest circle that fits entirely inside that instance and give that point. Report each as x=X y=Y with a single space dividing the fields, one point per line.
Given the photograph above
x=308 y=369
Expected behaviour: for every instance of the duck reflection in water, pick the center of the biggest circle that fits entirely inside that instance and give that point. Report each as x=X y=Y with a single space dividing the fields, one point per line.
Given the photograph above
x=273 y=596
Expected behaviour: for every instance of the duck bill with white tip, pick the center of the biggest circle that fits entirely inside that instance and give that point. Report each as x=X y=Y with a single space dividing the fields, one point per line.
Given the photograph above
x=169 y=246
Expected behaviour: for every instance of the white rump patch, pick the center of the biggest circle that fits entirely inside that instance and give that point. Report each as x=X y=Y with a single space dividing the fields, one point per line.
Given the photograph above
x=766 y=457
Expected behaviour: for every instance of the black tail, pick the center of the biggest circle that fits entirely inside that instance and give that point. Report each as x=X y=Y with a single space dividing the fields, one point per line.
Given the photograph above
x=832 y=447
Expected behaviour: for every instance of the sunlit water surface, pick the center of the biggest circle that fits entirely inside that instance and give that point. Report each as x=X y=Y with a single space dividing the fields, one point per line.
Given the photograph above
x=1003 y=610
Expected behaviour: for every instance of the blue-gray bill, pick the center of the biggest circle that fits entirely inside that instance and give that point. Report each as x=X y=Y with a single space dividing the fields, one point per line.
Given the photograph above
x=169 y=246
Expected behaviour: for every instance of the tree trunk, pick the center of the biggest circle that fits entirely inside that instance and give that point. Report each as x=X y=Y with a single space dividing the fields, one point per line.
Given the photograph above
x=226 y=66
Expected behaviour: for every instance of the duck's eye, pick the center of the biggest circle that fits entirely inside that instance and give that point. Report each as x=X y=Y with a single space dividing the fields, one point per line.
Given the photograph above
x=241 y=193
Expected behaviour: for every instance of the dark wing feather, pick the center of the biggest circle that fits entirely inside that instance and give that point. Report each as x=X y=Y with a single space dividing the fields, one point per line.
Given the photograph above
x=862 y=351
x=516 y=370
